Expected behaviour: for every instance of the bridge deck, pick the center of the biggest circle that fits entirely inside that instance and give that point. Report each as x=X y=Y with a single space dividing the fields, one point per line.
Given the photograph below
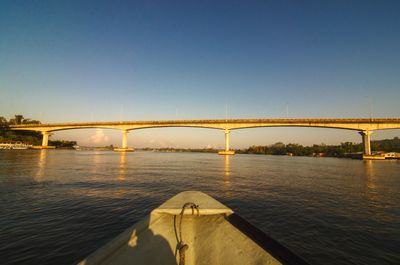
x=359 y=124
x=213 y=121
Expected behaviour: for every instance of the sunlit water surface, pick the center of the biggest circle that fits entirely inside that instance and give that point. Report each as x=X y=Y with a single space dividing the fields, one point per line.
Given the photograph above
x=57 y=206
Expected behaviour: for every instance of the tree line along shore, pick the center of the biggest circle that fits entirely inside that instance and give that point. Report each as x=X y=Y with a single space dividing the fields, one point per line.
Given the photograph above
x=27 y=137
x=341 y=150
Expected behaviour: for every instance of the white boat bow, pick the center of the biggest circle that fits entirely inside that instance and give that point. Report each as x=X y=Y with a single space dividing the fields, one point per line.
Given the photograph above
x=204 y=232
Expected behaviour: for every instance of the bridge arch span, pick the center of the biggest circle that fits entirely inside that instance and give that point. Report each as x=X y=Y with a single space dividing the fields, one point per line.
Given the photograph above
x=296 y=126
x=364 y=126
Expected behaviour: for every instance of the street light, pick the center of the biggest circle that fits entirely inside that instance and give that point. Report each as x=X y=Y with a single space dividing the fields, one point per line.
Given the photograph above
x=370 y=107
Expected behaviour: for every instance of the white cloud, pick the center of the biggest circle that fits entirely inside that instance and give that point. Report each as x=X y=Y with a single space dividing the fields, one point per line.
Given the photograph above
x=99 y=137
x=210 y=146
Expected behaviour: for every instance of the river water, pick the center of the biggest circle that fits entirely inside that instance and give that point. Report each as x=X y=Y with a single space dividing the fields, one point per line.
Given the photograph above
x=58 y=206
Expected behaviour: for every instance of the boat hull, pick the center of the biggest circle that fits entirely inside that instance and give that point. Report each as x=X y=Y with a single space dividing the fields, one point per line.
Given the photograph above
x=214 y=235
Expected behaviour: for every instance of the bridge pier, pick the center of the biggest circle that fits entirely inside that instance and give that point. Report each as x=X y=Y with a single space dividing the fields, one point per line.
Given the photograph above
x=124 y=147
x=227 y=151
x=124 y=139
x=45 y=141
x=366 y=139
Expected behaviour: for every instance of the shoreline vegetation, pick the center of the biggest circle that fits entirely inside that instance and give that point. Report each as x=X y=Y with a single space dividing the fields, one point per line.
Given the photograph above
x=27 y=137
x=346 y=149
x=343 y=150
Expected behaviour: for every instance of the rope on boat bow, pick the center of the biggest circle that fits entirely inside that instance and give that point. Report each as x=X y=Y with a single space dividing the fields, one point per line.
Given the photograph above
x=182 y=247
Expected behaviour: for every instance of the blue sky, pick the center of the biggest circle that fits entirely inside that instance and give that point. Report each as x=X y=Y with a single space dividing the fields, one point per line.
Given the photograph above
x=144 y=60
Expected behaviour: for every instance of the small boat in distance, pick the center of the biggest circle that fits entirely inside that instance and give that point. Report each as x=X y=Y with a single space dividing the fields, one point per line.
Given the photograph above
x=193 y=228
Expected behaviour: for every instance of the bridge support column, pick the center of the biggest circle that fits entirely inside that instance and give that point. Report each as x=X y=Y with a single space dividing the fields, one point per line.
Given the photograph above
x=45 y=141
x=366 y=139
x=124 y=147
x=124 y=139
x=227 y=151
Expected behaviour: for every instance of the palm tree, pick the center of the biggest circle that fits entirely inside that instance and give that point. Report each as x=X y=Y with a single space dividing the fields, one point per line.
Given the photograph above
x=3 y=121
x=17 y=119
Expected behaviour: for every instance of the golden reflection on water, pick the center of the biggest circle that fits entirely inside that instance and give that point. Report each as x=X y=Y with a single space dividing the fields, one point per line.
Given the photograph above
x=97 y=158
x=227 y=177
x=122 y=166
x=97 y=162
x=226 y=168
x=41 y=165
x=370 y=173
x=372 y=192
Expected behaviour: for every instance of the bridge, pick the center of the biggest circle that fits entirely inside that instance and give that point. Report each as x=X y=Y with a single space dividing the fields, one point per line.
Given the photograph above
x=363 y=126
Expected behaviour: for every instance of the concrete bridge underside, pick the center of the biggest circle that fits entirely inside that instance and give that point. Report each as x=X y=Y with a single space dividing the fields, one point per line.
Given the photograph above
x=364 y=126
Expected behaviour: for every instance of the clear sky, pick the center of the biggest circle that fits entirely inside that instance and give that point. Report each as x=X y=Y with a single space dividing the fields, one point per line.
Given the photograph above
x=148 y=60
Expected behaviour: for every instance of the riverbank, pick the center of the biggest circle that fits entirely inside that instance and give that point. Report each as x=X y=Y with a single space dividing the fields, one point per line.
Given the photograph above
x=358 y=155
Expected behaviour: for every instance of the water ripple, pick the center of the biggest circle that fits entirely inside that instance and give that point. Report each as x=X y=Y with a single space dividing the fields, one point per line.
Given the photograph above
x=58 y=206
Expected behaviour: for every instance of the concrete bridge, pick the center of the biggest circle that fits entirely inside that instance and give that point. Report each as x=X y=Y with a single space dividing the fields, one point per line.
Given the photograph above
x=364 y=126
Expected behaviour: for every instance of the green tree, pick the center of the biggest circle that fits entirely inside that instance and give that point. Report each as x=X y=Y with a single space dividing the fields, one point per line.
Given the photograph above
x=17 y=120
x=3 y=121
x=30 y=121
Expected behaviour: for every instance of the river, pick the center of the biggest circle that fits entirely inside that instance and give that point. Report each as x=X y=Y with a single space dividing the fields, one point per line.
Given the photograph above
x=57 y=206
